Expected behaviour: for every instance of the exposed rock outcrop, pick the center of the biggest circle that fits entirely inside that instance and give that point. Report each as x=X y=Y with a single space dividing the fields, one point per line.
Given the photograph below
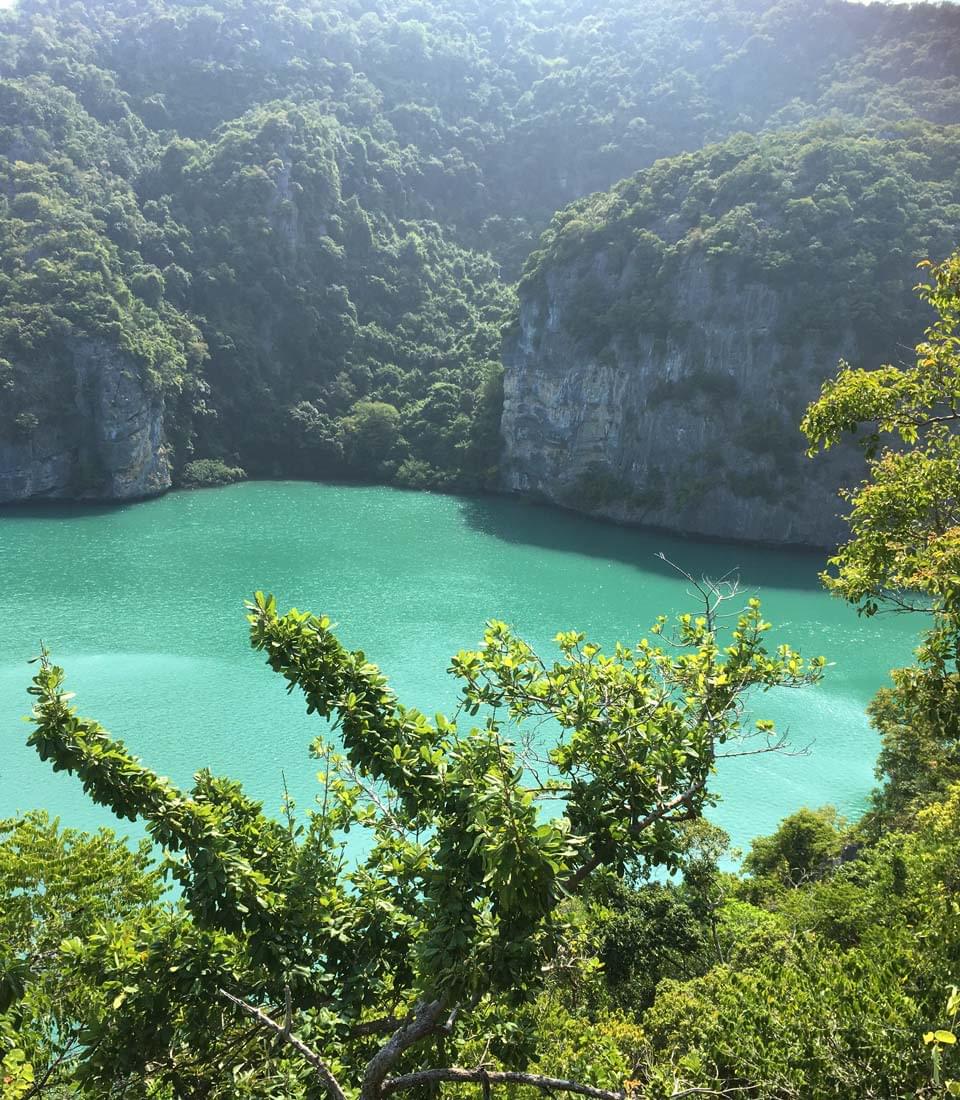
x=104 y=442
x=690 y=424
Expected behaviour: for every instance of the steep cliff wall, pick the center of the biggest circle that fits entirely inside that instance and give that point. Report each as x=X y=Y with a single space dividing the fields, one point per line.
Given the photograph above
x=96 y=361
x=671 y=332
x=694 y=430
x=104 y=439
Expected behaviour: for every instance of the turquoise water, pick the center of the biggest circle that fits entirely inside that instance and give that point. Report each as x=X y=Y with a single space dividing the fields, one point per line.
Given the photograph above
x=143 y=605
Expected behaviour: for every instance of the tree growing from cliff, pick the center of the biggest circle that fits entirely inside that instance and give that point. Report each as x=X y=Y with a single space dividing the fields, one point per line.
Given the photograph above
x=287 y=969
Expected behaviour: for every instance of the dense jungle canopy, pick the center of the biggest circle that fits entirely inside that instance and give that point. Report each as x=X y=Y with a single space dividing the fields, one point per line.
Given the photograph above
x=301 y=223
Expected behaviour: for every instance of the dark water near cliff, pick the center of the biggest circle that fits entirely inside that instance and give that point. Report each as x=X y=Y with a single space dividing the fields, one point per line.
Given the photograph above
x=143 y=606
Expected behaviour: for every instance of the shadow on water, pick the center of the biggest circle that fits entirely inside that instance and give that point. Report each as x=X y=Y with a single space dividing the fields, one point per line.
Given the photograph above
x=65 y=509
x=537 y=524
x=533 y=523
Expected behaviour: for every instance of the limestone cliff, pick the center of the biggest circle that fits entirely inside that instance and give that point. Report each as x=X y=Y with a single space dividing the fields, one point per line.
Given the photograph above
x=672 y=331
x=103 y=440
x=690 y=425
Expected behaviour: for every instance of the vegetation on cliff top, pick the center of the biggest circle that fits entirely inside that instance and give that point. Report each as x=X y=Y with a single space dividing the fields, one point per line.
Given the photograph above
x=284 y=215
x=832 y=217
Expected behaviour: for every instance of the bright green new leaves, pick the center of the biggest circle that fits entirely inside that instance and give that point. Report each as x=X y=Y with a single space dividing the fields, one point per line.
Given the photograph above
x=390 y=742
x=640 y=729
x=905 y=519
x=909 y=401
x=942 y=1039
x=491 y=881
x=56 y=886
x=230 y=848
x=904 y=550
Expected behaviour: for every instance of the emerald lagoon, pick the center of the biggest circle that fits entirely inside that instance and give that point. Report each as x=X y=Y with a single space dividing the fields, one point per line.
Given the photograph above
x=143 y=606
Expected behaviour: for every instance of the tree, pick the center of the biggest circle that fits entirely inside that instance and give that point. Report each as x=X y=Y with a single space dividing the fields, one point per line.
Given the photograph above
x=392 y=964
x=802 y=847
x=905 y=518
x=56 y=885
x=904 y=550
x=372 y=430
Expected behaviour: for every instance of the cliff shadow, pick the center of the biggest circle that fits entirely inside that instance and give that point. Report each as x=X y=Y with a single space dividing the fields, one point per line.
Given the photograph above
x=535 y=523
x=63 y=509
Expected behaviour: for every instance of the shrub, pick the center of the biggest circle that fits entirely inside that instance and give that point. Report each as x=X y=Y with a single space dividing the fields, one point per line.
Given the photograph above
x=204 y=472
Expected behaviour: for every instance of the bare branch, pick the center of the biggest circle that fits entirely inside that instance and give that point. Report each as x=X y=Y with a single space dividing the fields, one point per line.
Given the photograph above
x=713 y=593
x=381 y=800
x=710 y=1092
x=329 y=1082
x=779 y=746
x=287 y=1012
x=68 y=1052
x=491 y=1077
x=425 y=1022
x=486 y=1078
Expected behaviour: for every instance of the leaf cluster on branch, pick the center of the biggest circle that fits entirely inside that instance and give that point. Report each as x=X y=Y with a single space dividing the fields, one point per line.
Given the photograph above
x=477 y=840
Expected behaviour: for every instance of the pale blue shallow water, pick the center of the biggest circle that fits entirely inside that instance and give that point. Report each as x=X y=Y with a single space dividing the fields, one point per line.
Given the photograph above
x=143 y=605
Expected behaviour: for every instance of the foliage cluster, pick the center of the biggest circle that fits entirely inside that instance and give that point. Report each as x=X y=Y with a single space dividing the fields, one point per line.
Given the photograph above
x=460 y=905
x=203 y=472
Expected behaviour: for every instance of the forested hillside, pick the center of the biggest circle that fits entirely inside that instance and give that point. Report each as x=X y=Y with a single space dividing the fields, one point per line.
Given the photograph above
x=284 y=238
x=608 y=254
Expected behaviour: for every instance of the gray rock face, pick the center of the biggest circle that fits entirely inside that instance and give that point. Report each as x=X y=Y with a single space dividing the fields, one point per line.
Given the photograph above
x=692 y=427
x=108 y=445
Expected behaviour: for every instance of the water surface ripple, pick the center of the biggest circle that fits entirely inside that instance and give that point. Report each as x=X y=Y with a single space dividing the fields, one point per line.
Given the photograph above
x=143 y=605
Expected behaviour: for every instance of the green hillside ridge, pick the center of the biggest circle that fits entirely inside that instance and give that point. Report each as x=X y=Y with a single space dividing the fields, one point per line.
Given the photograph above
x=833 y=218
x=316 y=212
